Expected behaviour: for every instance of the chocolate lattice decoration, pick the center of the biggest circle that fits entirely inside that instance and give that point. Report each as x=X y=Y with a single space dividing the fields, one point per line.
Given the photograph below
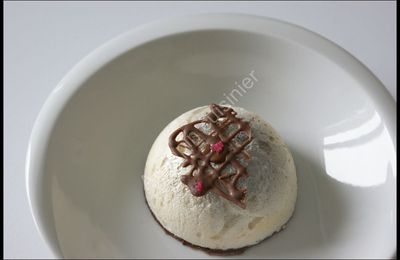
x=215 y=148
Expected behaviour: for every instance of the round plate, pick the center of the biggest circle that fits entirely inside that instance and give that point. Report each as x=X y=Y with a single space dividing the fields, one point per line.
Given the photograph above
x=89 y=144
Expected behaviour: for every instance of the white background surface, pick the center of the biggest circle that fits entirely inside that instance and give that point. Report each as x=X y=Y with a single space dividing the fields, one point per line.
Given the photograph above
x=44 y=40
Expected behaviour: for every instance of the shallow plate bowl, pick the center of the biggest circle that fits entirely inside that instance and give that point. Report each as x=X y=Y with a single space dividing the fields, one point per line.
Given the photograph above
x=89 y=144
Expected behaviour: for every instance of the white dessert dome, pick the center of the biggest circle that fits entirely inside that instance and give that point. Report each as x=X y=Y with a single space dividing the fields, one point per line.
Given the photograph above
x=211 y=221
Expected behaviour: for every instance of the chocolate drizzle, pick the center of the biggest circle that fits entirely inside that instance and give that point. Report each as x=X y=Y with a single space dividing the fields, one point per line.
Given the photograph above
x=217 y=170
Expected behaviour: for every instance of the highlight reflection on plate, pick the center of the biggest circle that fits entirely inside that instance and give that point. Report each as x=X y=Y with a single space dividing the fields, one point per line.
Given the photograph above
x=370 y=139
x=90 y=142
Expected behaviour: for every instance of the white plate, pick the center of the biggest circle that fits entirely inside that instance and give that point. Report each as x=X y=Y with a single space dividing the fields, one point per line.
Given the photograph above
x=89 y=144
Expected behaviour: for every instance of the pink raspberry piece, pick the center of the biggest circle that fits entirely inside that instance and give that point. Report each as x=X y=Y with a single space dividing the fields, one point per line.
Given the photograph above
x=217 y=147
x=199 y=186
